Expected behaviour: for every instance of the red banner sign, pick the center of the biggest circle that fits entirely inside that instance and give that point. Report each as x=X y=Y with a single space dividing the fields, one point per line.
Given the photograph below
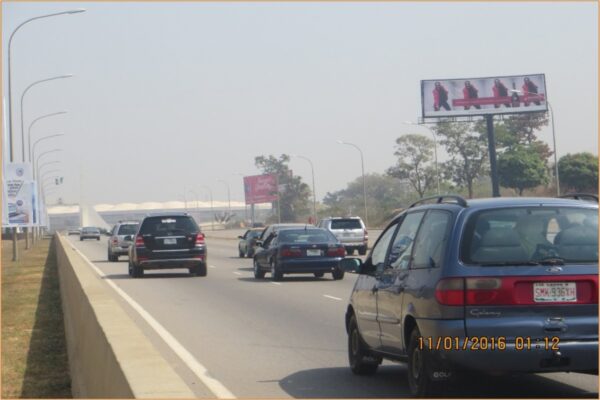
x=260 y=188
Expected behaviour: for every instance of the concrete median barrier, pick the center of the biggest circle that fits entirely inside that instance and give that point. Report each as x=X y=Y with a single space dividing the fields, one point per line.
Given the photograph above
x=109 y=356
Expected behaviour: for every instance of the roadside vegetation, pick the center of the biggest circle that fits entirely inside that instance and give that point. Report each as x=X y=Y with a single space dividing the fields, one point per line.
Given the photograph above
x=34 y=356
x=525 y=168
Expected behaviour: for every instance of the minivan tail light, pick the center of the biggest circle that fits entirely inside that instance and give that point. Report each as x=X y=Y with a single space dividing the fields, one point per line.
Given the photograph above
x=200 y=239
x=139 y=241
x=450 y=292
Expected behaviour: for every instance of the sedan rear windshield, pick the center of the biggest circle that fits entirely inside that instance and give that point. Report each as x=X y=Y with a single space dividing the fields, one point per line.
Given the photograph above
x=304 y=236
x=345 y=224
x=129 y=229
x=168 y=225
x=529 y=236
x=90 y=230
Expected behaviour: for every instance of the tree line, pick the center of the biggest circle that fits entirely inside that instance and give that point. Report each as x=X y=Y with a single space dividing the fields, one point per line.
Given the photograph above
x=524 y=168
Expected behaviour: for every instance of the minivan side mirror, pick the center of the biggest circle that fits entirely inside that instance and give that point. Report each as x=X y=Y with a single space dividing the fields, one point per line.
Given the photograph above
x=351 y=264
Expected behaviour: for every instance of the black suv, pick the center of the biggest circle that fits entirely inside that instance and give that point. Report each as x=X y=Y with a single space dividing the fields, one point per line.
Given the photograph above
x=168 y=241
x=503 y=285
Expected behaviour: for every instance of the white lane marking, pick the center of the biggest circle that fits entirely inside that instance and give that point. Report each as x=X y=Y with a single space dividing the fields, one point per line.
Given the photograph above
x=216 y=387
x=275 y=283
x=331 y=297
x=211 y=266
x=237 y=273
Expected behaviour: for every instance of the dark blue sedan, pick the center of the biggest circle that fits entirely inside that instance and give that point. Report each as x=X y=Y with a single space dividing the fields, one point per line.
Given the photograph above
x=299 y=251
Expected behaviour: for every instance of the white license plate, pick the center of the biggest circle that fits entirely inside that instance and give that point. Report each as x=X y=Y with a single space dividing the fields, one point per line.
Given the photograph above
x=312 y=252
x=170 y=241
x=546 y=292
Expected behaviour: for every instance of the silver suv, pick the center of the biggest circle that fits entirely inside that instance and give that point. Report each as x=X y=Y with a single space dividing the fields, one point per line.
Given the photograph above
x=350 y=231
x=121 y=238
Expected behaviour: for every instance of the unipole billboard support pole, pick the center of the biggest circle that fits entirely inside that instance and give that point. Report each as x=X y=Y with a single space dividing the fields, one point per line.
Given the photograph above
x=489 y=119
x=15 y=248
x=252 y=214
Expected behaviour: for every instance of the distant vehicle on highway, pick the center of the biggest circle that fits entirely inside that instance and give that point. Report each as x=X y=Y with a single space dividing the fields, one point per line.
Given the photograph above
x=121 y=238
x=504 y=285
x=299 y=251
x=89 y=232
x=168 y=241
x=351 y=231
x=247 y=244
x=73 y=231
x=273 y=228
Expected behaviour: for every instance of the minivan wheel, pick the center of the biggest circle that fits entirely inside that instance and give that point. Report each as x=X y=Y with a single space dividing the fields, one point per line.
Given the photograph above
x=361 y=362
x=258 y=273
x=276 y=273
x=419 y=365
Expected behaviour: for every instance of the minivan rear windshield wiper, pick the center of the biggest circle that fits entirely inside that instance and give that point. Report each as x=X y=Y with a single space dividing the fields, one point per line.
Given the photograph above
x=507 y=263
x=551 y=261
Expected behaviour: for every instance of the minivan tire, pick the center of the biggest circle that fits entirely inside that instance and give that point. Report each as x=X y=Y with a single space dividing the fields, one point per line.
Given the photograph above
x=419 y=366
x=359 y=357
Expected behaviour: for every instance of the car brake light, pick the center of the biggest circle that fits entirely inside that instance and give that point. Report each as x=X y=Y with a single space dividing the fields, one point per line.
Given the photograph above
x=336 y=251
x=139 y=241
x=450 y=292
x=290 y=252
x=115 y=241
x=366 y=235
x=200 y=239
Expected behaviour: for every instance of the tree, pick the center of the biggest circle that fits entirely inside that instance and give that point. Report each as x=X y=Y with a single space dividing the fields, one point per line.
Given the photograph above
x=468 y=151
x=293 y=193
x=579 y=172
x=385 y=194
x=520 y=129
x=521 y=168
x=414 y=162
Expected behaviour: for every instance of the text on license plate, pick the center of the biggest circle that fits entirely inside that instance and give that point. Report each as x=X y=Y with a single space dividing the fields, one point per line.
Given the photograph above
x=545 y=292
x=170 y=241
x=313 y=252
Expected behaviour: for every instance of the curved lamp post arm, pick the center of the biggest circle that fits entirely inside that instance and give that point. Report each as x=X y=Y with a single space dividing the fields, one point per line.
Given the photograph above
x=10 y=125
x=33 y=123
x=23 y=97
x=362 y=164
x=37 y=161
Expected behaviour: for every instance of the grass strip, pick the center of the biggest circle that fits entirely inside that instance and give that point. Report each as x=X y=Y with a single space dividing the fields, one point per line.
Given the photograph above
x=34 y=355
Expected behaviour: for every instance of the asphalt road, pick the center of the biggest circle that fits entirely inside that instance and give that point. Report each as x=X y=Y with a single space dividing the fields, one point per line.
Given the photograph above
x=264 y=339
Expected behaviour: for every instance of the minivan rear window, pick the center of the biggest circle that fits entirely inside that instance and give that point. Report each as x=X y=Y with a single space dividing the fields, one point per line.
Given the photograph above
x=526 y=235
x=345 y=224
x=168 y=225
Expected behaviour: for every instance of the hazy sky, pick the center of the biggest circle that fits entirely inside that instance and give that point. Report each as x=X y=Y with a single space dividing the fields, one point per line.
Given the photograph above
x=175 y=95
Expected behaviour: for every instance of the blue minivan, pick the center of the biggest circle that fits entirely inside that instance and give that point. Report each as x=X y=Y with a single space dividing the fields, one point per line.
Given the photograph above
x=494 y=285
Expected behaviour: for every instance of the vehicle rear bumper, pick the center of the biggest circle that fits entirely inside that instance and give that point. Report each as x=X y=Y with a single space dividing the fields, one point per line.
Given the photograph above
x=300 y=266
x=89 y=237
x=119 y=251
x=572 y=355
x=171 y=263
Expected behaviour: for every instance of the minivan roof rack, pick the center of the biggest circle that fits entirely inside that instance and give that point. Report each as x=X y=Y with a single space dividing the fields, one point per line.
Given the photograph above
x=580 y=196
x=440 y=199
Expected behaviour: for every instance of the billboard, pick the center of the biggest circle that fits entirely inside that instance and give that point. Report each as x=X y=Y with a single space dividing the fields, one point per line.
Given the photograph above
x=260 y=188
x=483 y=96
x=21 y=196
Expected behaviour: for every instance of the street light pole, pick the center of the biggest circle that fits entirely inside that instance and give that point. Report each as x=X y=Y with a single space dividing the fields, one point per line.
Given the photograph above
x=228 y=194
x=313 y=185
x=437 y=172
x=33 y=123
x=212 y=216
x=40 y=140
x=37 y=160
x=10 y=125
x=23 y=97
x=362 y=164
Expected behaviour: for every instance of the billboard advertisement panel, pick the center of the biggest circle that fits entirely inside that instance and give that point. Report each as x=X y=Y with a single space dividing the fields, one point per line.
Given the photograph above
x=260 y=188
x=21 y=195
x=483 y=96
